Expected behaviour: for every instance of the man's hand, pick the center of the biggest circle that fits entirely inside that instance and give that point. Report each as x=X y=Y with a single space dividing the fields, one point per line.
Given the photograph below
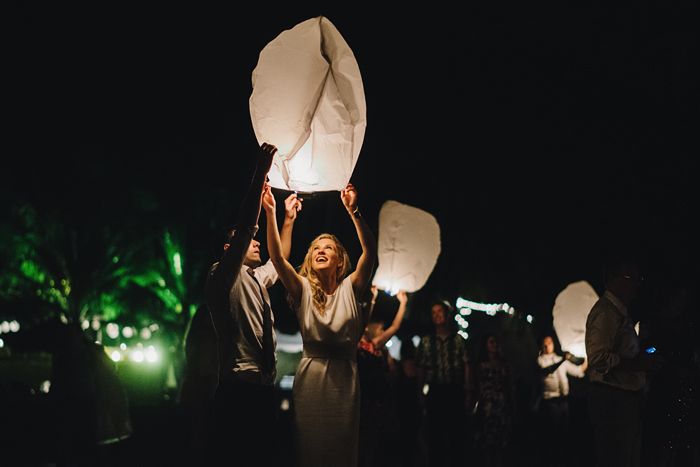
x=349 y=198
x=268 y=199
x=292 y=205
x=265 y=156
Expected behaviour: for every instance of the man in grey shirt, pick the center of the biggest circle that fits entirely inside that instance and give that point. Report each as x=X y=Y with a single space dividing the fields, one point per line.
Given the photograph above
x=617 y=367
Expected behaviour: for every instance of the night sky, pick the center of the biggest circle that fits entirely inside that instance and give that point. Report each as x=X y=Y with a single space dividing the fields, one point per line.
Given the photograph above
x=543 y=139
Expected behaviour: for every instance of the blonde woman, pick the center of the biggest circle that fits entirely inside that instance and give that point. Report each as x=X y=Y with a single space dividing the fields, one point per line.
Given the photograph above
x=325 y=297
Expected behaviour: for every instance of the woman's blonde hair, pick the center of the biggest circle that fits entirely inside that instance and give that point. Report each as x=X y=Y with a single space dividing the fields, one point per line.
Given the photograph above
x=305 y=270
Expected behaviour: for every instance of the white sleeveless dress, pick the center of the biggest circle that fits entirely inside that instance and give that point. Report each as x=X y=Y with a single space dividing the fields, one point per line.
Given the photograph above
x=326 y=385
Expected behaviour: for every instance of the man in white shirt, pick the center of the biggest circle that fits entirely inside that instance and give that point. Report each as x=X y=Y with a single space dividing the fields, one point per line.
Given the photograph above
x=554 y=407
x=617 y=367
x=236 y=294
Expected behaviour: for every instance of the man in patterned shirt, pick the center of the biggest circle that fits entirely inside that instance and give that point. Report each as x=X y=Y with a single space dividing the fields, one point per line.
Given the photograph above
x=442 y=357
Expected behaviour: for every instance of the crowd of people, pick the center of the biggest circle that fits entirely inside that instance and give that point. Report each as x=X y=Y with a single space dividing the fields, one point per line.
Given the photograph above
x=356 y=405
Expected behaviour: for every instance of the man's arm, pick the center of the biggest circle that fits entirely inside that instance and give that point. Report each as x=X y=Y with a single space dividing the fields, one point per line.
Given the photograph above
x=289 y=277
x=248 y=218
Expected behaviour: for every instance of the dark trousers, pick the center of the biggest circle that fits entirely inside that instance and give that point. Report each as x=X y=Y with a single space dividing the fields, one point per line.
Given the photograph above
x=615 y=416
x=446 y=424
x=245 y=418
x=555 y=426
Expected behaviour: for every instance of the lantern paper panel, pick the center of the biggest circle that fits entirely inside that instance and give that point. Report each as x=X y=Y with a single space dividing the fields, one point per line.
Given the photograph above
x=409 y=246
x=570 y=312
x=309 y=101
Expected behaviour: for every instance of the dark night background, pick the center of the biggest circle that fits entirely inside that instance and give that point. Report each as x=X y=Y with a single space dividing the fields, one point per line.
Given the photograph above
x=543 y=137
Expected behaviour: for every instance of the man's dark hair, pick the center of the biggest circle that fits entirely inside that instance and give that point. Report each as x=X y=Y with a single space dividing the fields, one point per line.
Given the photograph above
x=613 y=266
x=223 y=237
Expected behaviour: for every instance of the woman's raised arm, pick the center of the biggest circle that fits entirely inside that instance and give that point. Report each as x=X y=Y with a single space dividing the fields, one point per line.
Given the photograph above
x=363 y=273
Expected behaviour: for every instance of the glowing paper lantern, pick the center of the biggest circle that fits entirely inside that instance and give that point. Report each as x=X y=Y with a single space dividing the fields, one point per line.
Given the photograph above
x=308 y=100
x=570 y=311
x=409 y=246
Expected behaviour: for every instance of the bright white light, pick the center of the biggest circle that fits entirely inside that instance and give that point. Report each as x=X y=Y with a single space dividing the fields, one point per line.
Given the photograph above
x=116 y=356
x=177 y=264
x=529 y=318
x=113 y=330
x=137 y=356
x=14 y=326
x=463 y=334
x=95 y=324
x=85 y=325
x=45 y=387
x=416 y=341
x=5 y=326
x=426 y=388
x=127 y=332
x=151 y=354
x=2 y=343
x=465 y=311
x=145 y=334
x=153 y=327
x=284 y=405
x=389 y=344
x=578 y=350
x=122 y=346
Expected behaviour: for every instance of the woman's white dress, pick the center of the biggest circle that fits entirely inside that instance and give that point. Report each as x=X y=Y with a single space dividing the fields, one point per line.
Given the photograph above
x=326 y=385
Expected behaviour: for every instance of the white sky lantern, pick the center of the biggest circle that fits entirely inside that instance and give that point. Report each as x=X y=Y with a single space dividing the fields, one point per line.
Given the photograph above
x=569 y=315
x=409 y=246
x=309 y=101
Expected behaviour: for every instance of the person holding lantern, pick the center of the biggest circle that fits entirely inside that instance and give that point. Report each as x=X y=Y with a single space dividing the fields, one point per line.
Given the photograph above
x=325 y=295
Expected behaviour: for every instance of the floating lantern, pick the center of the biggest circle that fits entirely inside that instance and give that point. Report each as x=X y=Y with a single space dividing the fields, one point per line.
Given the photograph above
x=569 y=315
x=409 y=246
x=309 y=101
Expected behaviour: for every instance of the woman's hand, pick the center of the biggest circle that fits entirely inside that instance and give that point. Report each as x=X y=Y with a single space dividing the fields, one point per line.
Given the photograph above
x=349 y=198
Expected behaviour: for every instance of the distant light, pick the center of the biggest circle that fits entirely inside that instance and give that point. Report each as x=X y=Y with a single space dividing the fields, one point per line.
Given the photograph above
x=116 y=356
x=287 y=382
x=45 y=387
x=113 y=330
x=64 y=319
x=5 y=326
x=95 y=324
x=529 y=318
x=154 y=327
x=115 y=259
x=177 y=263
x=14 y=326
x=464 y=335
x=145 y=334
x=161 y=282
x=127 y=332
x=137 y=356
x=426 y=388
x=490 y=309
x=389 y=344
x=85 y=325
x=465 y=311
x=2 y=343
x=122 y=346
x=151 y=354
x=416 y=341
x=284 y=405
